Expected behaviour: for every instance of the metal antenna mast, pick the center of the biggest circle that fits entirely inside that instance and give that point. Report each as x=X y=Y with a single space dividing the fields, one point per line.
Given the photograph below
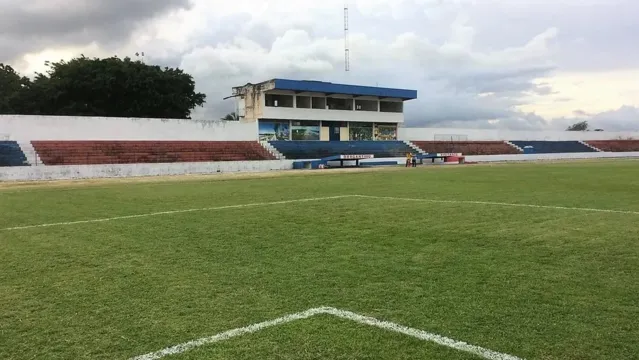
x=347 y=65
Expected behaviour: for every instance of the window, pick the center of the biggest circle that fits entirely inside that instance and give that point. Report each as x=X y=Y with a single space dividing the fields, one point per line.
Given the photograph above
x=319 y=103
x=303 y=102
x=366 y=105
x=305 y=130
x=360 y=131
x=276 y=100
x=339 y=104
x=385 y=131
x=391 y=106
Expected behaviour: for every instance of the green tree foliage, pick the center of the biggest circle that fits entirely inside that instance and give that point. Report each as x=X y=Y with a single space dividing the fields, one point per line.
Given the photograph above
x=580 y=126
x=111 y=87
x=11 y=88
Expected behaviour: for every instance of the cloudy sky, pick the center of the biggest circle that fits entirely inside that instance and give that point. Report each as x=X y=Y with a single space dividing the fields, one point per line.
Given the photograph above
x=519 y=64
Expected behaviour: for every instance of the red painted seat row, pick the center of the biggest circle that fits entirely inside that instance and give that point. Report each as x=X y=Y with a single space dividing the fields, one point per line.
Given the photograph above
x=131 y=152
x=467 y=147
x=615 y=145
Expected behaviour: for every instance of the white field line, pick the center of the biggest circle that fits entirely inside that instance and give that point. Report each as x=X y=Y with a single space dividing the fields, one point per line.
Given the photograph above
x=416 y=333
x=319 y=199
x=422 y=335
x=180 y=348
x=175 y=212
x=499 y=204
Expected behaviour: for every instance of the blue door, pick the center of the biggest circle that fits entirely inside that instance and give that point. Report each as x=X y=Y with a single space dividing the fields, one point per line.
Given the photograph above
x=333 y=132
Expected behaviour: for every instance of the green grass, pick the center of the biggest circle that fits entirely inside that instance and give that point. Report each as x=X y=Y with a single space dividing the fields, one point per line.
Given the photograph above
x=531 y=282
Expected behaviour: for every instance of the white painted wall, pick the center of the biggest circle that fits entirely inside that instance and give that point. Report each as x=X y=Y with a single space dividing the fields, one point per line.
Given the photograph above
x=428 y=134
x=330 y=115
x=26 y=128
x=67 y=172
x=538 y=157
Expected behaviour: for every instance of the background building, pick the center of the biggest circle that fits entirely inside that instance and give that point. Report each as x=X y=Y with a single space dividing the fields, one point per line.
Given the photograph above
x=314 y=110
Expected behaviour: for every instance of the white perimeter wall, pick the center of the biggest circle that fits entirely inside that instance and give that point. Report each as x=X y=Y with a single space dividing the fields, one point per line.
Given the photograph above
x=24 y=127
x=428 y=134
x=66 y=172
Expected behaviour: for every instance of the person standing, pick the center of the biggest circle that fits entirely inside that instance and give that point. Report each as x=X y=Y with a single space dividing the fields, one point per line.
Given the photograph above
x=409 y=157
x=414 y=160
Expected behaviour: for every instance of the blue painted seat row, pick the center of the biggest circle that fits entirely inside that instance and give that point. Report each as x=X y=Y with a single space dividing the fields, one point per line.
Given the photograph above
x=554 y=147
x=322 y=149
x=11 y=154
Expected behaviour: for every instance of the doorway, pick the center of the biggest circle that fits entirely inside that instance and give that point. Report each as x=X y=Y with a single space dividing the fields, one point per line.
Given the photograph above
x=333 y=132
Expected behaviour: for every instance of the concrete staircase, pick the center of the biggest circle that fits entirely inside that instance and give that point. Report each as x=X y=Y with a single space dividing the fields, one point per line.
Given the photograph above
x=590 y=146
x=415 y=147
x=271 y=149
x=515 y=146
x=32 y=156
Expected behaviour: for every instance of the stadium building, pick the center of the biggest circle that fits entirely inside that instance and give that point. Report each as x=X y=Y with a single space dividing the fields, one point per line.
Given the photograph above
x=313 y=110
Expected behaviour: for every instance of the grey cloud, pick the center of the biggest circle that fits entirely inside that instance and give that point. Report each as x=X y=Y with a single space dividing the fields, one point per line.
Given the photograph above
x=447 y=94
x=449 y=65
x=604 y=30
x=626 y=118
x=74 y=22
x=497 y=81
x=437 y=110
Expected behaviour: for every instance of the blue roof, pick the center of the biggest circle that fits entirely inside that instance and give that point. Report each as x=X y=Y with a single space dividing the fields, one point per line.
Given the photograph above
x=330 y=88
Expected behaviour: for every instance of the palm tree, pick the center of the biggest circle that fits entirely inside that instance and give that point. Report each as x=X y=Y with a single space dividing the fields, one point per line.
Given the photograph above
x=231 y=117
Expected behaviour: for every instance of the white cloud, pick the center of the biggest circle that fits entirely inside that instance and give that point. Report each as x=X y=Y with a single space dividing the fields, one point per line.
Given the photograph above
x=490 y=63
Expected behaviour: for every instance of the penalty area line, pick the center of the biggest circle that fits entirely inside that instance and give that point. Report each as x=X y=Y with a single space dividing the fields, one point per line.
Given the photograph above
x=344 y=314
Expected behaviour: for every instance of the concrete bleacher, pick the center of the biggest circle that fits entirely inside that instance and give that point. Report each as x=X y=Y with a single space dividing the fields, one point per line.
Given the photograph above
x=130 y=152
x=615 y=145
x=11 y=154
x=554 y=147
x=467 y=147
x=322 y=149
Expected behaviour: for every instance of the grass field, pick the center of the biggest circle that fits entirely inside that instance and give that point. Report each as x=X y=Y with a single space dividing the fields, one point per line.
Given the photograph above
x=556 y=280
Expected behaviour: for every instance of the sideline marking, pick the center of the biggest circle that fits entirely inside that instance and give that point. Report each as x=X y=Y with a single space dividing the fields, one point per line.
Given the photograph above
x=344 y=314
x=175 y=212
x=499 y=204
x=319 y=199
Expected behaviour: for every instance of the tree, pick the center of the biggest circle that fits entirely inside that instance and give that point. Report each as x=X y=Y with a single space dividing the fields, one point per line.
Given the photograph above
x=111 y=87
x=12 y=86
x=231 y=117
x=580 y=126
